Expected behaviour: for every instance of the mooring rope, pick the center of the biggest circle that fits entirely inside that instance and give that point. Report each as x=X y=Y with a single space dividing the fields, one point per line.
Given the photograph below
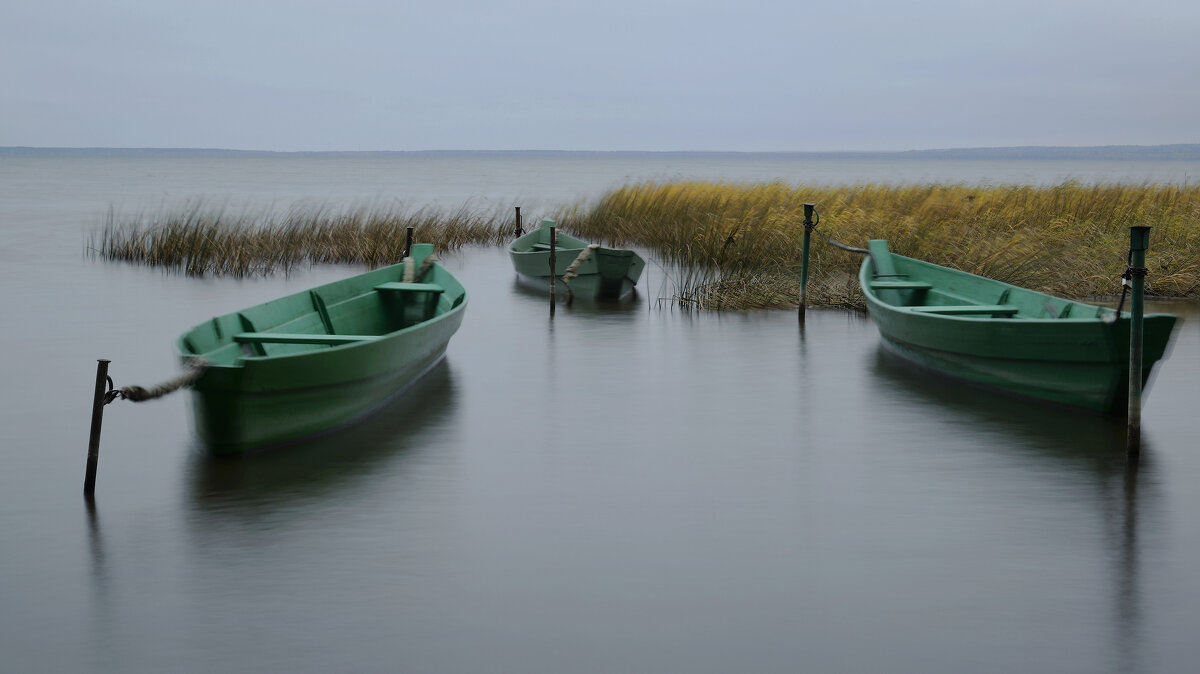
x=426 y=265
x=812 y=227
x=195 y=367
x=1126 y=277
x=408 y=275
x=572 y=271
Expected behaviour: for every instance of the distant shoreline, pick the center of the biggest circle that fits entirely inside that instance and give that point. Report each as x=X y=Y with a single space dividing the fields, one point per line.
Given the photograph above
x=1177 y=152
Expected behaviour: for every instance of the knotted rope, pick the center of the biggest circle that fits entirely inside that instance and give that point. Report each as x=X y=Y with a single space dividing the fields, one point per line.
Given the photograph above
x=195 y=367
x=1126 y=277
x=426 y=265
x=412 y=275
x=573 y=269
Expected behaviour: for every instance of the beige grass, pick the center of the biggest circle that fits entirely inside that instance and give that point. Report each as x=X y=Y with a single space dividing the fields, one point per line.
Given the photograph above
x=738 y=244
x=1068 y=239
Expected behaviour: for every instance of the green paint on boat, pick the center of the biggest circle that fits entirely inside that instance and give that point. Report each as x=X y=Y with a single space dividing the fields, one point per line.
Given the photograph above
x=1006 y=337
x=607 y=273
x=320 y=359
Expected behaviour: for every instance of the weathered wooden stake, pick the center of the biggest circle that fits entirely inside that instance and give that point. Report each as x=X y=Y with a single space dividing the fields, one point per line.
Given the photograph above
x=408 y=242
x=520 y=230
x=553 y=264
x=1139 y=241
x=93 y=458
x=808 y=228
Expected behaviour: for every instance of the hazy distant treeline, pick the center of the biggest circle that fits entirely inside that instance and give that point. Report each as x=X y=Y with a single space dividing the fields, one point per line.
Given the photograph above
x=1178 y=152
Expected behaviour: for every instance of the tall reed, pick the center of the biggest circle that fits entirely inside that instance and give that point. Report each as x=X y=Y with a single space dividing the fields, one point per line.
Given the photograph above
x=734 y=246
x=1068 y=239
x=201 y=240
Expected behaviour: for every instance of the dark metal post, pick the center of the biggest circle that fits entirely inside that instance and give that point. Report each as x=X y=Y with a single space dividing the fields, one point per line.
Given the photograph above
x=408 y=241
x=553 y=264
x=1139 y=241
x=93 y=458
x=808 y=228
x=520 y=230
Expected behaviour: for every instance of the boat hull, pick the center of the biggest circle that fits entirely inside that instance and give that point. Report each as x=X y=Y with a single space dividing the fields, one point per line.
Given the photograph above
x=1080 y=361
x=606 y=273
x=246 y=402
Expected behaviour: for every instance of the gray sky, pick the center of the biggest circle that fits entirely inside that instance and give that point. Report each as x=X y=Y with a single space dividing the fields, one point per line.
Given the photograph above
x=745 y=75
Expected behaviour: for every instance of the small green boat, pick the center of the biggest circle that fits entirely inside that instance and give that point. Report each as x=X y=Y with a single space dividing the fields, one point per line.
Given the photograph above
x=320 y=359
x=602 y=273
x=1005 y=337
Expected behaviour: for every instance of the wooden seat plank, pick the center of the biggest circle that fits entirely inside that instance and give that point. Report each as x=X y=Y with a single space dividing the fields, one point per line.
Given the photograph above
x=968 y=309
x=298 y=338
x=398 y=286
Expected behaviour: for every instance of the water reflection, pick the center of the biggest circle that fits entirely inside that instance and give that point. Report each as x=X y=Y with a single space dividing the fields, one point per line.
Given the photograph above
x=96 y=547
x=330 y=463
x=537 y=289
x=1079 y=442
x=1064 y=433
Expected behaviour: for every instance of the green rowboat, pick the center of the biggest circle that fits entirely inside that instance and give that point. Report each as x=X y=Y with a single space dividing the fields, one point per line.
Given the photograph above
x=1005 y=337
x=320 y=359
x=603 y=273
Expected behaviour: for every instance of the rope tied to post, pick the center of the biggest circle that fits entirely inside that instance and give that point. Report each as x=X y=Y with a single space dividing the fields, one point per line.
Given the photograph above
x=1127 y=276
x=812 y=227
x=194 y=368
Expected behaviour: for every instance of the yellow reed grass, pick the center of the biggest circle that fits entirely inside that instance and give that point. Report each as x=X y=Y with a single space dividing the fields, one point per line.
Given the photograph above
x=1068 y=239
x=199 y=240
x=735 y=246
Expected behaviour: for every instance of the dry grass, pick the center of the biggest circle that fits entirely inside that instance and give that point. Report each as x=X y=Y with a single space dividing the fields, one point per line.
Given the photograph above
x=200 y=240
x=1069 y=239
x=738 y=245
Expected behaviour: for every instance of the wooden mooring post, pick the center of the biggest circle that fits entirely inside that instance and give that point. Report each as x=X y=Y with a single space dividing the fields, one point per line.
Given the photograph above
x=553 y=263
x=808 y=228
x=1139 y=241
x=98 y=402
x=408 y=242
x=519 y=230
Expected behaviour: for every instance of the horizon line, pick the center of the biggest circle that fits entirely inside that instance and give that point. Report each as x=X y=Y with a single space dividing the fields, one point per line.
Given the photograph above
x=1172 y=150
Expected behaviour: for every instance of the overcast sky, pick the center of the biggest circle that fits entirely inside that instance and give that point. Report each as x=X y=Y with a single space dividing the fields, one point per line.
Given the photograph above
x=744 y=75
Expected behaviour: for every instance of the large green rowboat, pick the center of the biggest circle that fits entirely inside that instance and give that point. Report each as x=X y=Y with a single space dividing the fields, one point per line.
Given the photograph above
x=1006 y=337
x=604 y=273
x=320 y=359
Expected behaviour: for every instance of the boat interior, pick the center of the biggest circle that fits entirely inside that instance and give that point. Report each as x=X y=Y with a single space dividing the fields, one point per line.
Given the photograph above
x=346 y=312
x=921 y=287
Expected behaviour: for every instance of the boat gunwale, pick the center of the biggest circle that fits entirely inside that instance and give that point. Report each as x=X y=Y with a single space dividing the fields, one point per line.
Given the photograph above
x=458 y=305
x=873 y=298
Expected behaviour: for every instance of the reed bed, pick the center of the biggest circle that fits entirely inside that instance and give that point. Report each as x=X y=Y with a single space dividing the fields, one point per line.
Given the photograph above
x=743 y=243
x=200 y=240
x=735 y=246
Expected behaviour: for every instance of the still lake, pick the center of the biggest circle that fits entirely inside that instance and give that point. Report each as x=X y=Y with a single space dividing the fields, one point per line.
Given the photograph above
x=620 y=489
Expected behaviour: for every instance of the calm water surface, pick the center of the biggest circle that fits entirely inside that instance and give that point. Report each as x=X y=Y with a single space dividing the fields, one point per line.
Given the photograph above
x=628 y=488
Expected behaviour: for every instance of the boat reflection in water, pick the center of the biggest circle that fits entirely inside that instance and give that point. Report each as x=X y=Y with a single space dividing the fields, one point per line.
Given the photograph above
x=1080 y=453
x=332 y=464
